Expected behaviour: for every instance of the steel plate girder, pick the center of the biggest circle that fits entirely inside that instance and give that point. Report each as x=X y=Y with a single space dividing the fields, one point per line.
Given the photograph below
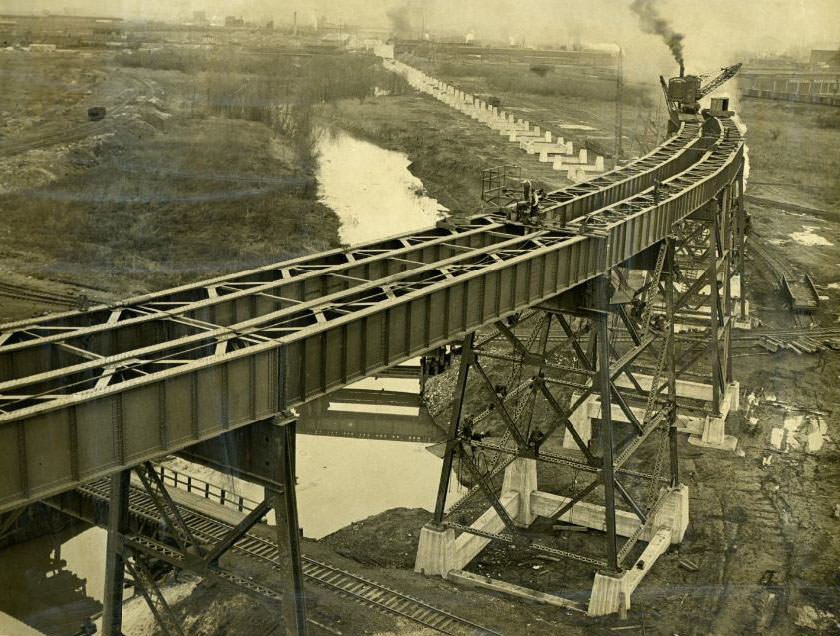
x=51 y=447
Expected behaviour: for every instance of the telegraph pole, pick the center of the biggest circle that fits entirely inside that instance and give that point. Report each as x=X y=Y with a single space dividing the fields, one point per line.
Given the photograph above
x=619 y=98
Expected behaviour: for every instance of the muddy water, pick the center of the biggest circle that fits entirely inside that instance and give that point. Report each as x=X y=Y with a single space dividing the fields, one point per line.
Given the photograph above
x=59 y=578
x=371 y=189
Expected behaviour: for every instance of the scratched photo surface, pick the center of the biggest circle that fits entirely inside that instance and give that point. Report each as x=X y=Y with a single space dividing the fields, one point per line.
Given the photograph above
x=414 y=317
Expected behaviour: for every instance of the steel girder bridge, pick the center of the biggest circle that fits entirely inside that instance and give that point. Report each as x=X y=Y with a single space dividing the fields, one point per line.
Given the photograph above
x=213 y=370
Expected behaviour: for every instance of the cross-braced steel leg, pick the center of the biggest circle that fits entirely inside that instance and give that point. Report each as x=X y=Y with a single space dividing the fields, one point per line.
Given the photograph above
x=452 y=440
x=168 y=510
x=114 y=562
x=145 y=582
x=742 y=231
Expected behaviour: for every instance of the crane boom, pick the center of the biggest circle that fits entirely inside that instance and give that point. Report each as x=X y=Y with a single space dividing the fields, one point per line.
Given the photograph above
x=725 y=75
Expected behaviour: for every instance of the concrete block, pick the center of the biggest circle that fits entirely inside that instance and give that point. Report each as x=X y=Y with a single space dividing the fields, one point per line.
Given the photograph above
x=521 y=478
x=599 y=163
x=571 y=174
x=714 y=427
x=580 y=175
x=582 y=155
x=547 y=136
x=537 y=130
x=436 y=551
x=570 y=149
x=673 y=514
x=609 y=591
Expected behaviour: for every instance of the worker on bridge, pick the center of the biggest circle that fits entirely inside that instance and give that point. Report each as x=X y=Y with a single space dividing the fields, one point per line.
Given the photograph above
x=528 y=209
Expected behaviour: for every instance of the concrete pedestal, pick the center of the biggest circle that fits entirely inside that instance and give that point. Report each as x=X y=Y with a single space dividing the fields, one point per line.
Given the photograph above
x=707 y=431
x=436 y=551
x=521 y=478
x=610 y=591
x=714 y=427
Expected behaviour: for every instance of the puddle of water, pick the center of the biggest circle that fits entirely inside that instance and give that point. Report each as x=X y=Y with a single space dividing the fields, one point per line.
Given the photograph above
x=371 y=189
x=809 y=237
x=576 y=127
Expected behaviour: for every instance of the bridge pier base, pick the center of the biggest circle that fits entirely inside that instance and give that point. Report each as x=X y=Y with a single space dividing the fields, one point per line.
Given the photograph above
x=713 y=433
x=436 y=551
x=704 y=430
x=612 y=591
x=521 y=478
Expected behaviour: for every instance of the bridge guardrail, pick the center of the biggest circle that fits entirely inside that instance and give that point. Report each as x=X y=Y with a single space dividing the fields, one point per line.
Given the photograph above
x=212 y=492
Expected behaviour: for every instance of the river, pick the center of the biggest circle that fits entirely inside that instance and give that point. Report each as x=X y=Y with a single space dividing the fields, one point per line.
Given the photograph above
x=59 y=578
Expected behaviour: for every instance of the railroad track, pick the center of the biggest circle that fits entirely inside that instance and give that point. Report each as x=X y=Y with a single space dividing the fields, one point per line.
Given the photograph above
x=346 y=584
x=780 y=268
x=83 y=130
x=26 y=293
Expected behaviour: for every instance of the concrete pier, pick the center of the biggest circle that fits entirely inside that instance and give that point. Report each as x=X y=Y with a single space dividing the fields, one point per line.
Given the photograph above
x=704 y=429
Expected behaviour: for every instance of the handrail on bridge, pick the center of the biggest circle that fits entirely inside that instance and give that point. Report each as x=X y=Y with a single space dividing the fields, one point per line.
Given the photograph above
x=210 y=491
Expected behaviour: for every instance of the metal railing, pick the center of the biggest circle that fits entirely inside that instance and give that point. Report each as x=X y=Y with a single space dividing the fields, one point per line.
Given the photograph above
x=212 y=492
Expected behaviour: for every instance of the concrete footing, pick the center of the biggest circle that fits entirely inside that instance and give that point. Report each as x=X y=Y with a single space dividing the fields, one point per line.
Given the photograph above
x=441 y=553
x=704 y=430
x=714 y=434
x=611 y=591
x=436 y=551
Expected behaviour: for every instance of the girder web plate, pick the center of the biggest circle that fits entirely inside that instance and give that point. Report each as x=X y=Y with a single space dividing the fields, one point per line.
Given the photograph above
x=128 y=390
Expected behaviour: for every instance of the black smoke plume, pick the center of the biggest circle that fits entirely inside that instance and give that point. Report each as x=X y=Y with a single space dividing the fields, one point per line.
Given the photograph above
x=654 y=23
x=400 y=17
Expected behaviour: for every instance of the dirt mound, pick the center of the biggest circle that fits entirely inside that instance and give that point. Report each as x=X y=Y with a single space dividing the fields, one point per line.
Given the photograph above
x=387 y=540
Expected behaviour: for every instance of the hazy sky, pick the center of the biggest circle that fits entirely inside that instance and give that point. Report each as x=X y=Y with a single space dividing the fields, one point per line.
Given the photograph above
x=715 y=30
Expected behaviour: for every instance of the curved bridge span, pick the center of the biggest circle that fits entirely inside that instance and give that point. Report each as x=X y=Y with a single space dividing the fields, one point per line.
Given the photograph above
x=86 y=394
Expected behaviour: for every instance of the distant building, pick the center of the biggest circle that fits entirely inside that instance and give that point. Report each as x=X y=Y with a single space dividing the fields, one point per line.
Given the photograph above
x=63 y=30
x=821 y=59
x=233 y=21
x=200 y=17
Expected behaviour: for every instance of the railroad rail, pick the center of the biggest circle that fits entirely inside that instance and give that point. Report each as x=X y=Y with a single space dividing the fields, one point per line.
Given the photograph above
x=80 y=131
x=347 y=584
x=22 y=292
x=799 y=290
x=131 y=381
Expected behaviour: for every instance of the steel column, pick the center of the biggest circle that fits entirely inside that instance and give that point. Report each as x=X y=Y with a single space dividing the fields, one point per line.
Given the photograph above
x=602 y=301
x=114 y=563
x=281 y=439
x=672 y=362
x=742 y=223
x=714 y=306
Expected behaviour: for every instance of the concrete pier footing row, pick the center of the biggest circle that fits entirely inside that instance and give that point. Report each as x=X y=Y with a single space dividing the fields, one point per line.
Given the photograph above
x=550 y=148
x=440 y=551
x=705 y=429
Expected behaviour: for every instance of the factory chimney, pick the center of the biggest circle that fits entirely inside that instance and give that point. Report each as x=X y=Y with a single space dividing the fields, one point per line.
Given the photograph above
x=682 y=69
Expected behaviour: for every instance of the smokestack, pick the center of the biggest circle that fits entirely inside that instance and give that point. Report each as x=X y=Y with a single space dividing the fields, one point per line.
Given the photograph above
x=294 y=23
x=682 y=69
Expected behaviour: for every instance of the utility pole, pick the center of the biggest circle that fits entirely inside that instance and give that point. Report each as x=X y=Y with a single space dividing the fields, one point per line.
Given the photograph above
x=619 y=98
